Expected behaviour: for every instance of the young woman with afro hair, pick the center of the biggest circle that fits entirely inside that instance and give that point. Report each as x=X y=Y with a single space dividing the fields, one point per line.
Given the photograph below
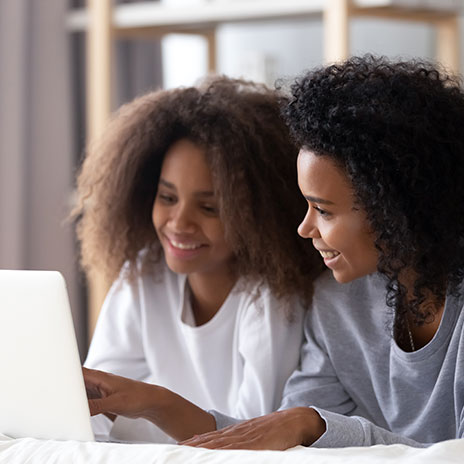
x=192 y=192
x=381 y=167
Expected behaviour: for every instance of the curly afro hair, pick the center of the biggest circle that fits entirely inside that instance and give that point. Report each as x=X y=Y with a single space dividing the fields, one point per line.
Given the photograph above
x=396 y=130
x=252 y=160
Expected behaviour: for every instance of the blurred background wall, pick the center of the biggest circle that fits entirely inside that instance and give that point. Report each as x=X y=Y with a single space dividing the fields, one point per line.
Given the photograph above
x=37 y=155
x=43 y=107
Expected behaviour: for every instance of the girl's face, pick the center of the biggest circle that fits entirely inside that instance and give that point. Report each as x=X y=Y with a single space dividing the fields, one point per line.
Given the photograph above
x=339 y=230
x=185 y=213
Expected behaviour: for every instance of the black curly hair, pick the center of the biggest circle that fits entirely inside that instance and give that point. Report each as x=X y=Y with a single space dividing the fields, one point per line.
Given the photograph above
x=253 y=164
x=396 y=130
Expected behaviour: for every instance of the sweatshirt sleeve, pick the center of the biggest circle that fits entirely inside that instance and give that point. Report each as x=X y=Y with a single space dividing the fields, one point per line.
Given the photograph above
x=117 y=345
x=343 y=431
x=315 y=382
x=269 y=345
x=222 y=420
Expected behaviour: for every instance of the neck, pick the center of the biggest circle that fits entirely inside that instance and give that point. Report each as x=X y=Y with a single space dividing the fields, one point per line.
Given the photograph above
x=209 y=291
x=418 y=336
x=423 y=334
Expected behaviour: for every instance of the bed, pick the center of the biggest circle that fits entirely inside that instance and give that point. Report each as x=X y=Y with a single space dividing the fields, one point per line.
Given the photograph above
x=32 y=451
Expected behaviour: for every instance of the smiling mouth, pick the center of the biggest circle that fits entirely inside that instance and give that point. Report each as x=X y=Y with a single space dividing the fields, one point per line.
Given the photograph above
x=329 y=254
x=184 y=246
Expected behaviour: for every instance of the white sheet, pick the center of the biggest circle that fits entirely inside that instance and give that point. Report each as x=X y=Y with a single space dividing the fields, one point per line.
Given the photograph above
x=32 y=451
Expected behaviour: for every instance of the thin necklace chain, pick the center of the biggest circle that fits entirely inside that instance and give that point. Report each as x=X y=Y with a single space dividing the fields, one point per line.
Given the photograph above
x=411 y=340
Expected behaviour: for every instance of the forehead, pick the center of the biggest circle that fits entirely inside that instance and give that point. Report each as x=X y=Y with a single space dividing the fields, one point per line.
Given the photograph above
x=186 y=162
x=319 y=176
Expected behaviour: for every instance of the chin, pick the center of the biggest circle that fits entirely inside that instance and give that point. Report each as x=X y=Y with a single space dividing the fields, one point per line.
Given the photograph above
x=341 y=279
x=179 y=268
x=344 y=277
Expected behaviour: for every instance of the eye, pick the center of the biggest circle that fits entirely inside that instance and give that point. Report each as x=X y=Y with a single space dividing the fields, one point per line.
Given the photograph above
x=325 y=214
x=211 y=210
x=166 y=198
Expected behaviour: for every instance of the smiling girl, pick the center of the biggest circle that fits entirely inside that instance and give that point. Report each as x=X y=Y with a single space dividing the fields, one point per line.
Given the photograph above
x=382 y=170
x=192 y=192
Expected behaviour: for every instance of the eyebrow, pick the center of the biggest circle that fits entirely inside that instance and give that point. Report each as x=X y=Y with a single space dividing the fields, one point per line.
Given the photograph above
x=318 y=200
x=205 y=193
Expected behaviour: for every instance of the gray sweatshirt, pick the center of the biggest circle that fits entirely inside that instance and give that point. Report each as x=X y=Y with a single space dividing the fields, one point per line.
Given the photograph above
x=367 y=389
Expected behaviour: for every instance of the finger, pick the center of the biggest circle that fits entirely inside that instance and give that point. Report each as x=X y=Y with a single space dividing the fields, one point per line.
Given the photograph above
x=96 y=380
x=92 y=375
x=92 y=392
x=215 y=437
x=253 y=443
x=101 y=406
x=212 y=435
x=211 y=444
x=199 y=438
x=249 y=442
x=208 y=445
x=89 y=373
x=90 y=379
x=194 y=441
x=241 y=445
x=95 y=406
x=226 y=443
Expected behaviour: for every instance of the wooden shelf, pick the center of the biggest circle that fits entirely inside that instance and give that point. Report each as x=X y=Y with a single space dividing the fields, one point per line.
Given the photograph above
x=210 y=14
x=205 y=14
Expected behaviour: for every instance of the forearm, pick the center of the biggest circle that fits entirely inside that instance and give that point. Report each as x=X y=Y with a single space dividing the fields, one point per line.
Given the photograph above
x=343 y=431
x=175 y=415
x=299 y=426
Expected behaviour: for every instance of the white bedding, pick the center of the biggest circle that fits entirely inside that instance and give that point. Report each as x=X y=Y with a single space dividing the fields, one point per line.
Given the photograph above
x=31 y=451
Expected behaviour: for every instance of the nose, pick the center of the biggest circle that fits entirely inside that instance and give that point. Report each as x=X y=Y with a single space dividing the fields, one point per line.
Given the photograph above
x=182 y=220
x=308 y=227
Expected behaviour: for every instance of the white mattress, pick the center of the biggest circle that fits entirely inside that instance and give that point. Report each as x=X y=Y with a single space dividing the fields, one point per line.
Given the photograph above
x=32 y=451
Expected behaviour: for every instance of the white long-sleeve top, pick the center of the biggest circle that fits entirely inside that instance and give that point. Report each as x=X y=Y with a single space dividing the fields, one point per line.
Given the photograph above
x=236 y=363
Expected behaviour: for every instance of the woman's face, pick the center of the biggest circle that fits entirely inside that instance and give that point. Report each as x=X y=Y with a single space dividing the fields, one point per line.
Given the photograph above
x=185 y=213
x=338 y=229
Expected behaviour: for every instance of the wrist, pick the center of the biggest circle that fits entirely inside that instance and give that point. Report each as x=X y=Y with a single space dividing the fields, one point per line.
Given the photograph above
x=309 y=425
x=152 y=399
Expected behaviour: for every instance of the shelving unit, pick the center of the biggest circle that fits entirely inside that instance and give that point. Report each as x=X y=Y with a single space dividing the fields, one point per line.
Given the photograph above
x=104 y=22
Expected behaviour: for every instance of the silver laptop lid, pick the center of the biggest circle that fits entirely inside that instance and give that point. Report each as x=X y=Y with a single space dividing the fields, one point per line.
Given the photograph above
x=42 y=392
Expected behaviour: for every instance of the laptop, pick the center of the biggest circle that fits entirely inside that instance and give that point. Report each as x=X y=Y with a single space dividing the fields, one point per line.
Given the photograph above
x=42 y=392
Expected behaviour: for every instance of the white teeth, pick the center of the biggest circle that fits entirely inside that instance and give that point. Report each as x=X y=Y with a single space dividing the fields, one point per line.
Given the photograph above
x=329 y=254
x=184 y=246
